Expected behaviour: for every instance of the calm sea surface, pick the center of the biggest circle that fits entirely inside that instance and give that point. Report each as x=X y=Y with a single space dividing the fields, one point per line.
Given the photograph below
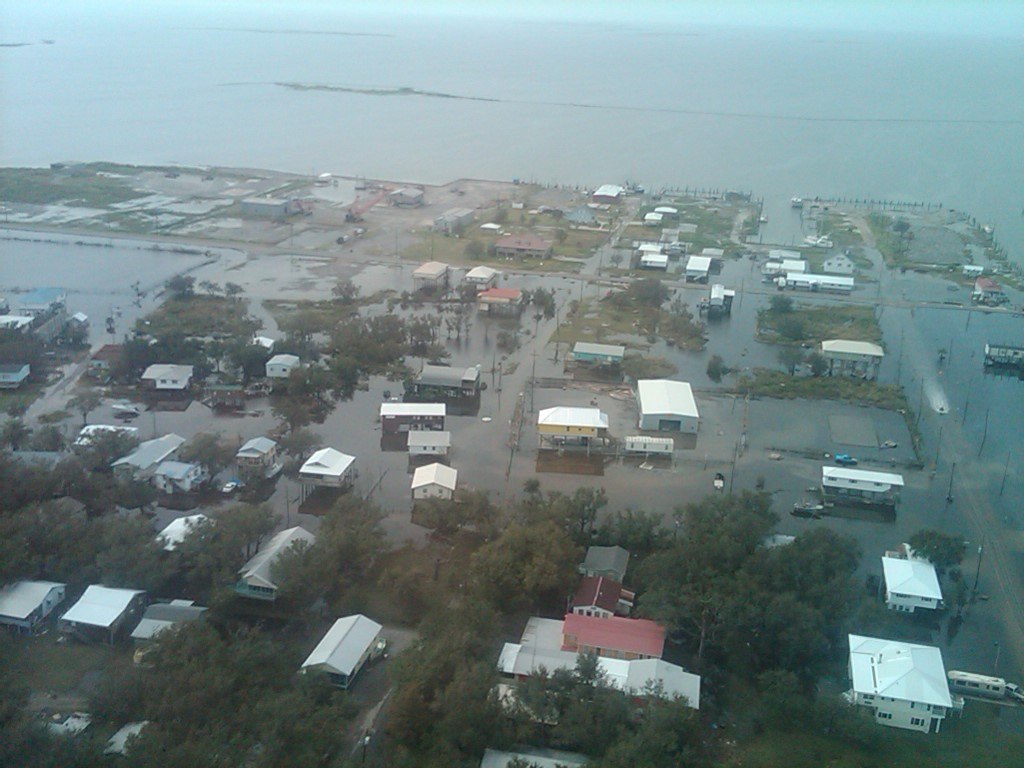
x=780 y=112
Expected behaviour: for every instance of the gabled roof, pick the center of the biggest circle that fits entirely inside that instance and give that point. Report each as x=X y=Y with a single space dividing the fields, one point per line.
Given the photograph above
x=284 y=359
x=435 y=474
x=161 y=616
x=178 y=530
x=573 y=416
x=118 y=743
x=842 y=346
x=666 y=396
x=167 y=371
x=430 y=269
x=507 y=294
x=151 y=452
x=447 y=376
x=614 y=559
x=327 y=462
x=258 y=570
x=18 y=600
x=257 y=448
x=701 y=263
x=903 y=671
x=608 y=190
x=535 y=757
x=481 y=273
x=345 y=644
x=911 y=577
x=641 y=636
x=175 y=470
x=591 y=348
x=101 y=606
x=598 y=592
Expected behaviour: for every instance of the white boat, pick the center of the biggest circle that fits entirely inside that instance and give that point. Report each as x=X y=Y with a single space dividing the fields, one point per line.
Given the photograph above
x=797 y=202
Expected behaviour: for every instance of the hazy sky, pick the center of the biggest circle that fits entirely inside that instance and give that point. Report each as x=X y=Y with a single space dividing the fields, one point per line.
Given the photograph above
x=1001 y=17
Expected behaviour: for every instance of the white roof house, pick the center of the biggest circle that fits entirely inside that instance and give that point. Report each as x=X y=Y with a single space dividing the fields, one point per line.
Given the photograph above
x=256 y=578
x=102 y=608
x=713 y=253
x=347 y=645
x=652 y=219
x=698 y=268
x=904 y=683
x=910 y=584
x=541 y=646
x=91 y=432
x=168 y=377
x=118 y=743
x=257 y=448
x=389 y=410
x=281 y=366
x=651 y=260
x=434 y=481
x=25 y=603
x=178 y=530
x=667 y=405
x=328 y=467
x=861 y=485
x=430 y=273
x=845 y=347
x=610 y=191
x=144 y=460
x=482 y=275
x=573 y=416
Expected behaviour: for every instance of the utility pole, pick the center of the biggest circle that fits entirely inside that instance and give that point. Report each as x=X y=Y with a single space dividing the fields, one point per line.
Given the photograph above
x=1006 y=468
x=949 y=492
x=984 y=435
x=977 y=572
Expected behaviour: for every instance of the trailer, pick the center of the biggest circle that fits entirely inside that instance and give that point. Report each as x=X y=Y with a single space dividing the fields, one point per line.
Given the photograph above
x=660 y=446
x=983 y=686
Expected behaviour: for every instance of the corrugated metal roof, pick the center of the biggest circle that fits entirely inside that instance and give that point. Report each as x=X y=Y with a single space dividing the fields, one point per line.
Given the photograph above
x=345 y=643
x=435 y=474
x=911 y=577
x=412 y=409
x=666 y=396
x=18 y=600
x=903 y=671
x=573 y=416
x=843 y=346
x=101 y=606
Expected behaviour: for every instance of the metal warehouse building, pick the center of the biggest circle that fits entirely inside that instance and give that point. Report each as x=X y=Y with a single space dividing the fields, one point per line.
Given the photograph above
x=667 y=406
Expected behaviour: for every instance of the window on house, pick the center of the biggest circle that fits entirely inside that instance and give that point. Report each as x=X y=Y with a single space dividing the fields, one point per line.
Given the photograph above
x=917 y=721
x=885 y=715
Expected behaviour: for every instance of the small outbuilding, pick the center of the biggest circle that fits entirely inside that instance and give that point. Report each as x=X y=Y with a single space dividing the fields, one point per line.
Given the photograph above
x=434 y=481
x=345 y=649
x=281 y=366
x=179 y=529
x=667 y=406
x=160 y=617
x=454 y=220
x=606 y=561
x=697 y=269
x=406 y=197
x=13 y=375
x=482 y=277
x=168 y=378
x=429 y=443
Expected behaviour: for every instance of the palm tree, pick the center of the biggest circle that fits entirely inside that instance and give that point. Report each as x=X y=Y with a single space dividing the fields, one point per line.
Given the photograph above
x=14 y=433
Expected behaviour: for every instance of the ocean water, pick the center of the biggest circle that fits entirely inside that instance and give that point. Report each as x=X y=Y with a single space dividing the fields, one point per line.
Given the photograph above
x=656 y=98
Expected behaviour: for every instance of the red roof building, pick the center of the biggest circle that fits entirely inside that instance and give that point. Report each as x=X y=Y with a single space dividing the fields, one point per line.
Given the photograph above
x=613 y=638
x=497 y=301
x=602 y=597
x=522 y=244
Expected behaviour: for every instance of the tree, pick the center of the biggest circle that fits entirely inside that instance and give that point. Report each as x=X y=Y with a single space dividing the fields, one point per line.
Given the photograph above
x=300 y=576
x=209 y=287
x=716 y=368
x=180 y=286
x=791 y=326
x=233 y=291
x=85 y=402
x=14 y=434
x=48 y=437
x=527 y=566
x=817 y=363
x=791 y=357
x=561 y=235
x=780 y=304
x=943 y=550
x=345 y=291
x=474 y=249
x=210 y=451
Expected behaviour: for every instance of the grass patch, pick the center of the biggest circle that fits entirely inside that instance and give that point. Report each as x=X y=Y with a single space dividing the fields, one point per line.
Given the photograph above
x=816 y=323
x=328 y=313
x=840 y=230
x=44 y=665
x=640 y=367
x=200 y=316
x=80 y=186
x=894 y=248
x=973 y=741
x=606 y=322
x=762 y=382
x=452 y=250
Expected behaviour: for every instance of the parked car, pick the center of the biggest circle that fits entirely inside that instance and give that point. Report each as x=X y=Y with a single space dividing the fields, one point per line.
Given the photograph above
x=844 y=460
x=230 y=487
